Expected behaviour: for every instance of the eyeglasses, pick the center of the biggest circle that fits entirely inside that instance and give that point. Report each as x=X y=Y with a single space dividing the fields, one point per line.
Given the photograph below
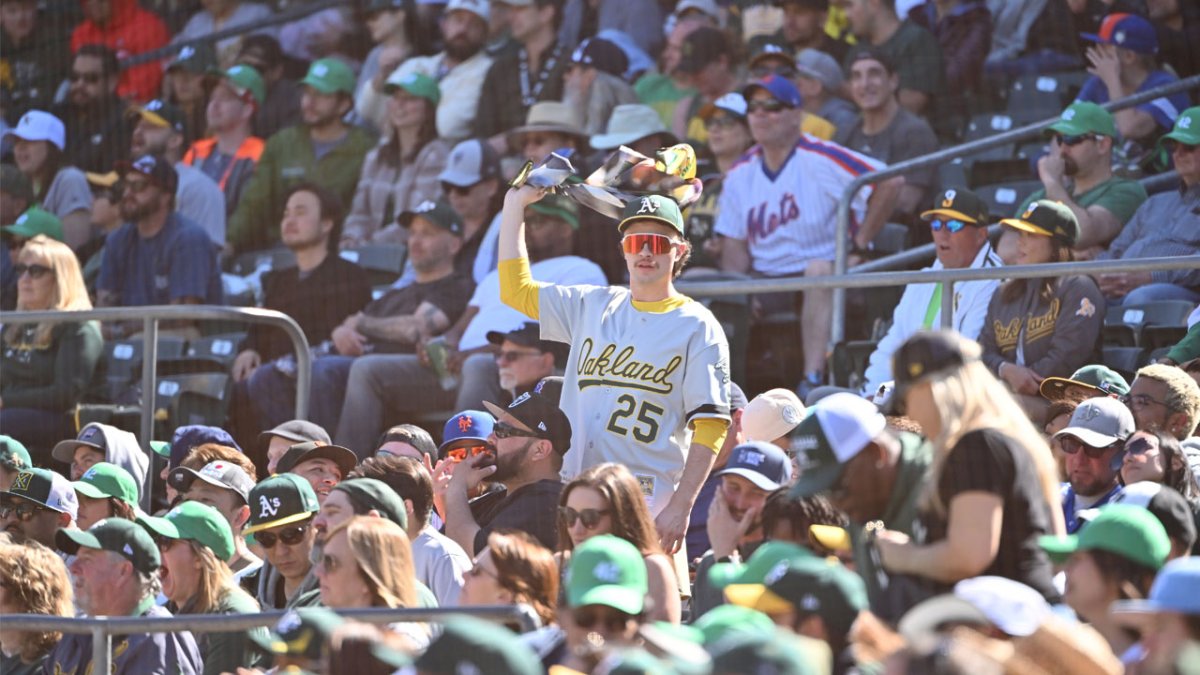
x=88 y=78
x=1072 y=141
x=634 y=243
x=291 y=536
x=135 y=187
x=586 y=617
x=23 y=511
x=720 y=122
x=952 y=225
x=589 y=517
x=509 y=357
x=461 y=453
x=35 y=271
x=1139 y=401
x=768 y=105
x=503 y=430
x=1172 y=146
x=764 y=71
x=1071 y=445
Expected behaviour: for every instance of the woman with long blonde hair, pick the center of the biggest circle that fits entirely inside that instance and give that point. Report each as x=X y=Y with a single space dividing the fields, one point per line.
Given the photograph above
x=33 y=580
x=993 y=487
x=49 y=366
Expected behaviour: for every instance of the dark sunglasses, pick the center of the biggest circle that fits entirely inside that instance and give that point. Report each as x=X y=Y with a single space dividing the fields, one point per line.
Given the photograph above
x=634 y=243
x=586 y=617
x=589 y=517
x=1071 y=445
x=35 y=271
x=461 y=453
x=89 y=78
x=1140 y=446
x=721 y=122
x=24 y=511
x=1072 y=141
x=1171 y=145
x=768 y=105
x=953 y=225
x=510 y=357
x=503 y=430
x=291 y=536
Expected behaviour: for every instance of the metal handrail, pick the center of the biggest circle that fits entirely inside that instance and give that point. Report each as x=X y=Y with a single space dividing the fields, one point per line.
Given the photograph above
x=103 y=628
x=150 y=316
x=842 y=232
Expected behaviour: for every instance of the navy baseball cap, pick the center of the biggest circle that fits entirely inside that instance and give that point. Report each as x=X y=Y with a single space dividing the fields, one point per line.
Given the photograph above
x=765 y=465
x=471 y=425
x=192 y=435
x=1128 y=31
x=778 y=86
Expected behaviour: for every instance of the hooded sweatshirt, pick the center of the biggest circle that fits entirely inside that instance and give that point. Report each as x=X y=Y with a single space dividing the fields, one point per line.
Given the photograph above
x=129 y=30
x=124 y=451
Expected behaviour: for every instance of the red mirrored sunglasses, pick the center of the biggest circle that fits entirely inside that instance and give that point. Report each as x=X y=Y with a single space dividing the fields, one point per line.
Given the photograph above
x=634 y=243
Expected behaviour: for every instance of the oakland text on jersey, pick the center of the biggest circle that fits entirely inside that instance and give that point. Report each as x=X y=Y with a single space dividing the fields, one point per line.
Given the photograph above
x=619 y=369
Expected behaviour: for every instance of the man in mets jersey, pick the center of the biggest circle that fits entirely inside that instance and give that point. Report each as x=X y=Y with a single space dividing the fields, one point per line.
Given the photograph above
x=647 y=380
x=778 y=208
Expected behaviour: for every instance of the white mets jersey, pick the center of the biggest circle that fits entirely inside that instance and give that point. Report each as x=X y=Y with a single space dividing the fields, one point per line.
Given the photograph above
x=790 y=217
x=635 y=380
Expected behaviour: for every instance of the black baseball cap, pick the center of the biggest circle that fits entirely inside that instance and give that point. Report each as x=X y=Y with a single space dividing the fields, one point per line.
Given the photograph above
x=550 y=387
x=159 y=113
x=439 y=213
x=1048 y=219
x=925 y=354
x=537 y=414
x=1166 y=504
x=219 y=473
x=91 y=436
x=873 y=54
x=123 y=537
x=154 y=167
x=345 y=458
x=959 y=203
x=296 y=431
x=602 y=55
x=530 y=335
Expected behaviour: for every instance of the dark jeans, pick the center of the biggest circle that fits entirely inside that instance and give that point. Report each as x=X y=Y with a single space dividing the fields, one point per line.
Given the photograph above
x=273 y=393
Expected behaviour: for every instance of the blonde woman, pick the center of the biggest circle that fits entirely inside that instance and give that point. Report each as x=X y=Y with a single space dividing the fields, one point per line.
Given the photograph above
x=47 y=367
x=993 y=488
x=196 y=545
x=33 y=580
x=367 y=562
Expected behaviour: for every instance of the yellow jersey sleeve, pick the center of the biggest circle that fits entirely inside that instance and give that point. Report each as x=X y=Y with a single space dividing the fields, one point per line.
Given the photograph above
x=710 y=432
x=517 y=287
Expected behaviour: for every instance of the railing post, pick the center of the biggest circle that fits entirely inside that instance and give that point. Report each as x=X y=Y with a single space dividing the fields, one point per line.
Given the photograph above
x=948 y=304
x=149 y=403
x=101 y=648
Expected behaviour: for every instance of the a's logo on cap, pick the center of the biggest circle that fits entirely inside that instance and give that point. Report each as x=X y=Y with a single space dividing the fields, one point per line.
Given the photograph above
x=155 y=105
x=776 y=573
x=90 y=473
x=21 y=482
x=24 y=217
x=810 y=603
x=425 y=207
x=1068 y=114
x=187 y=52
x=791 y=414
x=1185 y=123
x=288 y=622
x=464 y=423
x=948 y=198
x=542 y=426
x=144 y=164
x=320 y=70
x=1029 y=211
x=648 y=206
x=772 y=49
x=1087 y=413
x=269 y=507
x=607 y=572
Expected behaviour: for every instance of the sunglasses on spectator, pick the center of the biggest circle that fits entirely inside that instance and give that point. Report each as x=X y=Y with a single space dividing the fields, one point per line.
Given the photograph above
x=613 y=620
x=88 y=78
x=513 y=356
x=589 y=517
x=634 y=243
x=768 y=105
x=1140 y=447
x=503 y=430
x=952 y=225
x=1072 y=141
x=1141 y=401
x=720 y=122
x=1173 y=146
x=290 y=536
x=23 y=511
x=461 y=453
x=460 y=190
x=1071 y=445
x=35 y=271
x=783 y=71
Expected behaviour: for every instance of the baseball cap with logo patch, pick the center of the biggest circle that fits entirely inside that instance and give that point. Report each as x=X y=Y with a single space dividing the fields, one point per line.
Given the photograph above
x=159 y=113
x=44 y=487
x=246 y=82
x=764 y=464
x=807 y=586
x=439 y=213
x=1102 y=379
x=199 y=59
x=777 y=86
x=1166 y=504
x=959 y=203
x=219 y=473
x=1128 y=531
x=91 y=436
x=470 y=162
x=1128 y=31
x=536 y=414
x=39 y=125
x=103 y=480
x=602 y=55
x=280 y=500
x=772 y=414
x=34 y=221
x=1048 y=219
x=607 y=570
x=758 y=565
x=154 y=167
x=116 y=535
x=330 y=76
x=468 y=425
x=834 y=432
x=1084 y=117
x=479 y=8
x=652 y=207
x=470 y=646
x=14 y=452
x=1099 y=422
x=197 y=522
x=417 y=84
x=1187 y=128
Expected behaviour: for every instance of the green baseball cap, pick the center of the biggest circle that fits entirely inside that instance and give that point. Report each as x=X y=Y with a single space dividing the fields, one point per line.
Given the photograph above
x=762 y=561
x=558 y=206
x=303 y=632
x=197 y=522
x=369 y=493
x=117 y=535
x=781 y=652
x=282 y=499
x=417 y=84
x=1129 y=531
x=330 y=76
x=1084 y=117
x=470 y=645
x=1187 y=128
x=724 y=620
x=811 y=586
x=959 y=203
x=200 y=59
x=243 y=80
x=14 y=452
x=1103 y=379
x=103 y=480
x=610 y=571
x=652 y=207
x=1048 y=219
x=34 y=221
x=439 y=213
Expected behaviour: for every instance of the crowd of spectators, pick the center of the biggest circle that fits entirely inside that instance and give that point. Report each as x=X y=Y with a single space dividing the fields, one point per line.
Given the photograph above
x=514 y=402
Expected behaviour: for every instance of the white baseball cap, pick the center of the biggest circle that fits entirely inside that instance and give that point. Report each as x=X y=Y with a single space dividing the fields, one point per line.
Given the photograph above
x=771 y=415
x=470 y=161
x=479 y=8
x=38 y=125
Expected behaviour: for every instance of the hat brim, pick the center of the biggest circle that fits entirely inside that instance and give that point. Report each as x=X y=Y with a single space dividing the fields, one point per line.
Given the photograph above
x=31 y=500
x=625 y=223
x=757 y=597
x=70 y=541
x=194 y=476
x=33 y=137
x=163 y=527
x=1093 y=438
x=161 y=448
x=344 y=458
x=20 y=231
x=757 y=479
x=322 y=87
x=1054 y=388
x=928 y=617
x=1184 y=136
x=818 y=480
x=460 y=179
x=949 y=213
x=546 y=128
x=614 y=141
x=150 y=116
x=628 y=600
x=89 y=490
x=64 y=451
x=1026 y=226
x=286 y=520
x=1059 y=548
x=508 y=418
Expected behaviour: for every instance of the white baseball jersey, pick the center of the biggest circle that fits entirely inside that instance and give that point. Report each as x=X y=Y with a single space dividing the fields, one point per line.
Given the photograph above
x=635 y=380
x=790 y=217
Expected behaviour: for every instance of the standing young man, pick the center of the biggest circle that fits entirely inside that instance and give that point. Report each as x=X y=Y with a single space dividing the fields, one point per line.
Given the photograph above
x=647 y=366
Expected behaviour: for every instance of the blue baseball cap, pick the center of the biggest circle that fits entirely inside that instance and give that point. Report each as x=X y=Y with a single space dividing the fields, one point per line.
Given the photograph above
x=1128 y=31
x=764 y=464
x=1175 y=589
x=778 y=86
x=472 y=425
x=188 y=437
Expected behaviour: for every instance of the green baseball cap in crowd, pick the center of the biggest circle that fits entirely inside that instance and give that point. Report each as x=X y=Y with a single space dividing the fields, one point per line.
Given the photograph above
x=1106 y=382
x=282 y=499
x=303 y=633
x=117 y=535
x=652 y=207
x=161 y=448
x=1187 y=128
x=245 y=80
x=470 y=645
x=782 y=652
x=197 y=522
x=959 y=203
x=103 y=480
x=723 y=620
x=439 y=213
x=811 y=586
x=1048 y=219
x=558 y=206
x=417 y=84
x=34 y=221
x=370 y=494
x=14 y=452
x=1084 y=117
x=610 y=571
x=833 y=432
x=200 y=59
x=762 y=561
x=1128 y=531
x=330 y=76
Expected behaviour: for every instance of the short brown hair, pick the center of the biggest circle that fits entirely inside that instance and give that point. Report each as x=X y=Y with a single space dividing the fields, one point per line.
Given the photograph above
x=202 y=455
x=408 y=477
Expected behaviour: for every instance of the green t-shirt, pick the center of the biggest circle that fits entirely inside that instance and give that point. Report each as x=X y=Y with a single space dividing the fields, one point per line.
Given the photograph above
x=915 y=53
x=1120 y=196
x=661 y=93
x=226 y=652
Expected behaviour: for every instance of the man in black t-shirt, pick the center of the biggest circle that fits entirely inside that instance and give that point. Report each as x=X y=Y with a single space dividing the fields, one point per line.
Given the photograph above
x=530 y=436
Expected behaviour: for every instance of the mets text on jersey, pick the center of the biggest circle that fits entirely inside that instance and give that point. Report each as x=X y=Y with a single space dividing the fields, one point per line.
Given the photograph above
x=760 y=225
x=613 y=368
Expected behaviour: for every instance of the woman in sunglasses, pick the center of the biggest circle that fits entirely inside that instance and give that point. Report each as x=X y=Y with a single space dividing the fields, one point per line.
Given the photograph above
x=47 y=367
x=513 y=568
x=606 y=499
x=1158 y=457
x=1039 y=328
x=196 y=546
